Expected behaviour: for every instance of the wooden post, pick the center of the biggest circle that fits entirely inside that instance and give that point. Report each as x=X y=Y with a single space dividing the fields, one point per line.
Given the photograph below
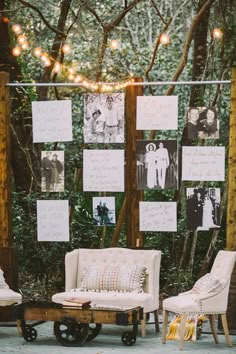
x=133 y=196
x=7 y=253
x=231 y=204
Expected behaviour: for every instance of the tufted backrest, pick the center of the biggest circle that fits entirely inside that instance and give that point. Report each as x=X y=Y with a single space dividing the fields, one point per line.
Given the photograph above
x=223 y=265
x=77 y=260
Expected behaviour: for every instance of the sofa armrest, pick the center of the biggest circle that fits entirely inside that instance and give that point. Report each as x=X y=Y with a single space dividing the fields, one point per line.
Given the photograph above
x=71 y=269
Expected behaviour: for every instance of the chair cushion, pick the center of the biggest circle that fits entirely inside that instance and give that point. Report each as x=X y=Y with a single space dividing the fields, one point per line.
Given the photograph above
x=182 y=304
x=110 y=298
x=9 y=297
x=207 y=284
x=113 y=278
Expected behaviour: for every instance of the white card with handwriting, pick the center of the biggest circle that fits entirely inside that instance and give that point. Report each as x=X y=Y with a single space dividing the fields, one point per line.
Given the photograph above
x=52 y=121
x=203 y=163
x=53 y=220
x=103 y=171
x=158 y=216
x=157 y=112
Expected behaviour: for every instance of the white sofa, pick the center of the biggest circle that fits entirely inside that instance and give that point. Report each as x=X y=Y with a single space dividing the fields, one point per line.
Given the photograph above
x=77 y=261
x=7 y=296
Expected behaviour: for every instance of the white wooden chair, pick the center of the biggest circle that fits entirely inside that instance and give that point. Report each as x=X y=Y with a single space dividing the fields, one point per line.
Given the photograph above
x=208 y=296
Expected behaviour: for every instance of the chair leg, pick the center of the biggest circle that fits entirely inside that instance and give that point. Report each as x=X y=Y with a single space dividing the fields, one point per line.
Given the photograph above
x=183 y=319
x=225 y=328
x=143 y=325
x=156 y=319
x=213 y=328
x=164 y=325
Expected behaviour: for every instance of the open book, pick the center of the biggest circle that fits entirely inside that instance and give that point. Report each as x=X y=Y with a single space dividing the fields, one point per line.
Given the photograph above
x=77 y=302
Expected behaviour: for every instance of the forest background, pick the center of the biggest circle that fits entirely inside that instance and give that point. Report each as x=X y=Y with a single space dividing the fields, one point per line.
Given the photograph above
x=89 y=27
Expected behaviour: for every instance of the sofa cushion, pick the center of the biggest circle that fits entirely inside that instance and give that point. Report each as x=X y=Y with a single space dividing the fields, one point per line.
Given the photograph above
x=3 y=284
x=113 y=278
x=207 y=284
x=9 y=297
x=110 y=299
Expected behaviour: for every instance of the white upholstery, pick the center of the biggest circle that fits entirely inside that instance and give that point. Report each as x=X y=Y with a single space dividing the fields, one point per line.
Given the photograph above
x=209 y=303
x=76 y=260
x=9 y=297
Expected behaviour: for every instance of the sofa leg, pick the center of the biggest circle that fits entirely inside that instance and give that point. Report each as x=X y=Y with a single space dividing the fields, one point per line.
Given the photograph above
x=143 y=325
x=156 y=320
x=164 y=325
x=226 y=329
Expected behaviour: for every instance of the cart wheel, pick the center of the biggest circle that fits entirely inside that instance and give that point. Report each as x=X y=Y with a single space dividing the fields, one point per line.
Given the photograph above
x=29 y=333
x=71 y=334
x=94 y=330
x=128 y=338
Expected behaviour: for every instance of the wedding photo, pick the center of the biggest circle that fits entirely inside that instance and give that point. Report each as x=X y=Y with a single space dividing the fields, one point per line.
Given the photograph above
x=203 y=123
x=52 y=171
x=104 y=211
x=203 y=208
x=157 y=164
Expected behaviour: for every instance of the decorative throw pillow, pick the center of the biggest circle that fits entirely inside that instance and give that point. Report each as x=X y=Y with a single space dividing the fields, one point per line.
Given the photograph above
x=3 y=284
x=113 y=278
x=207 y=284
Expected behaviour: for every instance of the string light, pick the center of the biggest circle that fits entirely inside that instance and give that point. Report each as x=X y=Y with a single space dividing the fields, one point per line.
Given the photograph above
x=72 y=76
x=114 y=44
x=66 y=48
x=164 y=39
x=217 y=33
x=16 y=29
x=16 y=51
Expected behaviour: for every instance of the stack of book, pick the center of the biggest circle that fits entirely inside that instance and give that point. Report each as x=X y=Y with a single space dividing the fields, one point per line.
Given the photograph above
x=77 y=302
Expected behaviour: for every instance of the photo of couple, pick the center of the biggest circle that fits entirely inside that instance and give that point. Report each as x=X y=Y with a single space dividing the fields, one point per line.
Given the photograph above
x=203 y=208
x=52 y=171
x=104 y=211
x=157 y=164
x=202 y=123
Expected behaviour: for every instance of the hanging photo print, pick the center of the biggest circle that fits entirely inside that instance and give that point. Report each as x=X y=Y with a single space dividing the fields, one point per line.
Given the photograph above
x=104 y=211
x=157 y=112
x=203 y=163
x=52 y=121
x=157 y=216
x=103 y=171
x=157 y=164
x=52 y=171
x=203 y=123
x=104 y=118
x=203 y=208
x=53 y=220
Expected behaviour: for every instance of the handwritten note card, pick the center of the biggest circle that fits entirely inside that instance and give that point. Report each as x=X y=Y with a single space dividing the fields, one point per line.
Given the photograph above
x=53 y=220
x=157 y=216
x=103 y=171
x=203 y=163
x=157 y=112
x=52 y=121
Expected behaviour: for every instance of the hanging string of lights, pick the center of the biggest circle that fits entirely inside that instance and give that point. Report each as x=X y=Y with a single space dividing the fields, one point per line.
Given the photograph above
x=73 y=76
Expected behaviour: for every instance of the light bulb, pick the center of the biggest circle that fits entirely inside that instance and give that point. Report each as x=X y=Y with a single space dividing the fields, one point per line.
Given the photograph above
x=57 y=67
x=66 y=48
x=25 y=46
x=164 y=39
x=16 y=51
x=217 y=33
x=37 y=52
x=21 y=39
x=44 y=57
x=16 y=29
x=78 y=78
x=114 y=44
x=71 y=77
x=47 y=63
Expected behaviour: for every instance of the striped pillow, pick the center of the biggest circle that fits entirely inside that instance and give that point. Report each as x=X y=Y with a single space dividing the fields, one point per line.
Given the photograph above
x=207 y=284
x=113 y=278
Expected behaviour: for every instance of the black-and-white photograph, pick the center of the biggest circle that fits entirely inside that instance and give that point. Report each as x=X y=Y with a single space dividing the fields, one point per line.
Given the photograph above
x=104 y=118
x=203 y=208
x=52 y=171
x=104 y=211
x=203 y=123
x=157 y=164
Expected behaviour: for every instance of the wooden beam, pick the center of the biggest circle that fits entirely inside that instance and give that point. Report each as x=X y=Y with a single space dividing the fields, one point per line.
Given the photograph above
x=231 y=205
x=5 y=171
x=133 y=196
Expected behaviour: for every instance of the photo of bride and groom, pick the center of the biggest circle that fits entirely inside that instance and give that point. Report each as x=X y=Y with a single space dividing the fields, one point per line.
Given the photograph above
x=203 y=208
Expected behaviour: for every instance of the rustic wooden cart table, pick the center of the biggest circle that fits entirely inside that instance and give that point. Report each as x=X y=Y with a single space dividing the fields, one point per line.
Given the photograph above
x=74 y=326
